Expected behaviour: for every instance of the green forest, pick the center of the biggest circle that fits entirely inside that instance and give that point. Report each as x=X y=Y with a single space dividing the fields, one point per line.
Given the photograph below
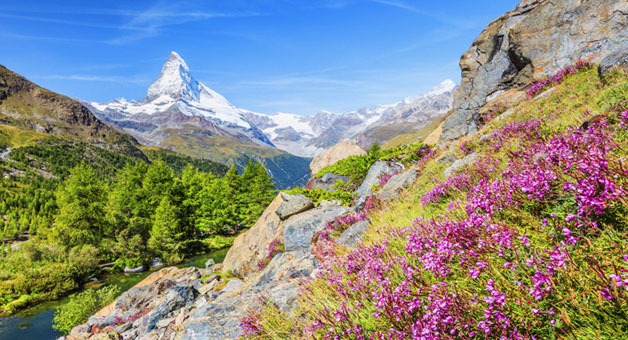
x=112 y=208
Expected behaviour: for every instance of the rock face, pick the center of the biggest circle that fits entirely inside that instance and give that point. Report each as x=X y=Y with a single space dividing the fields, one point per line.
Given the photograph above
x=338 y=152
x=377 y=170
x=535 y=40
x=252 y=246
x=353 y=235
x=293 y=204
x=299 y=229
x=618 y=58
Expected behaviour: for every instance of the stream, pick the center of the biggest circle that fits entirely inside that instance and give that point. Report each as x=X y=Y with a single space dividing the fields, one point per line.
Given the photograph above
x=35 y=323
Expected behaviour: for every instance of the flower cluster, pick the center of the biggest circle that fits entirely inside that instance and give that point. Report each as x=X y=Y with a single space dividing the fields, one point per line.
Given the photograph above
x=275 y=247
x=557 y=78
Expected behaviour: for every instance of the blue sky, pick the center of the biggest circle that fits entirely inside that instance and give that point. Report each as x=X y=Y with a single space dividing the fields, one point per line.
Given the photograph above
x=298 y=56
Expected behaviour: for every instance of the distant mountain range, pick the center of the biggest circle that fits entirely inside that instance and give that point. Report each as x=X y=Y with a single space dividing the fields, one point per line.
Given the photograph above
x=182 y=114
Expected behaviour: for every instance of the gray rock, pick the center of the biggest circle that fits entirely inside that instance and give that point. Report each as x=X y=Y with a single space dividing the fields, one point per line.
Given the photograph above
x=209 y=263
x=447 y=159
x=397 y=183
x=618 y=58
x=135 y=270
x=293 y=264
x=157 y=262
x=293 y=204
x=377 y=170
x=176 y=297
x=299 y=229
x=328 y=181
x=535 y=40
x=353 y=235
x=208 y=287
x=215 y=277
x=460 y=163
x=233 y=286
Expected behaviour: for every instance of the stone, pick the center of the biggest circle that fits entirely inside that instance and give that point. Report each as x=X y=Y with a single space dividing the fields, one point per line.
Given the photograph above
x=233 y=286
x=344 y=149
x=209 y=263
x=212 y=278
x=377 y=170
x=468 y=159
x=353 y=235
x=208 y=287
x=326 y=182
x=533 y=41
x=299 y=229
x=135 y=270
x=292 y=264
x=252 y=246
x=617 y=58
x=157 y=262
x=392 y=189
x=447 y=159
x=293 y=204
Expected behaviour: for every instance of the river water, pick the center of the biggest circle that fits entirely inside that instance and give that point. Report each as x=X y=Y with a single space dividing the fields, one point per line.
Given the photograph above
x=35 y=323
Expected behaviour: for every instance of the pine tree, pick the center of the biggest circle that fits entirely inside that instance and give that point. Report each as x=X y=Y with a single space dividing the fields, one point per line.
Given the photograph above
x=81 y=200
x=165 y=235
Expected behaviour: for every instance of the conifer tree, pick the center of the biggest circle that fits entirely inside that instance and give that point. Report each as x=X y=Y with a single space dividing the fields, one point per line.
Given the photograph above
x=81 y=199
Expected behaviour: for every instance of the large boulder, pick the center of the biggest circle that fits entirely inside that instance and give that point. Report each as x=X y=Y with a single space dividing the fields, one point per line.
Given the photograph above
x=338 y=152
x=533 y=41
x=398 y=183
x=354 y=234
x=298 y=230
x=377 y=170
x=293 y=204
x=252 y=246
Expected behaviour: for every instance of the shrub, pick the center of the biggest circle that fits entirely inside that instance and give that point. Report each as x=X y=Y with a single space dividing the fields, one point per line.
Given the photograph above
x=81 y=306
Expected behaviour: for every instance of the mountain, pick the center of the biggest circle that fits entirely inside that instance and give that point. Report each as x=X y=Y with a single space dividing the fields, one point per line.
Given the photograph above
x=311 y=135
x=181 y=114
x=27 y=110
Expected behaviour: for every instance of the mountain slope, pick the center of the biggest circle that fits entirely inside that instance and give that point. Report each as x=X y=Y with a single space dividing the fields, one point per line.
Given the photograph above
x=34 y=110
x=311 y=135
x=183 y=115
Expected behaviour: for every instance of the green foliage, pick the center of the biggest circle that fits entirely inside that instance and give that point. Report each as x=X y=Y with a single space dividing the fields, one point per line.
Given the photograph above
x=81 y=306
x=356 y=167
x=81 y=201
x=140 y=212
x=318 y=195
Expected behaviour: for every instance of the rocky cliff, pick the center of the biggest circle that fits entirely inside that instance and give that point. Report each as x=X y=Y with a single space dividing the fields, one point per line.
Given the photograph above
x=533 y=41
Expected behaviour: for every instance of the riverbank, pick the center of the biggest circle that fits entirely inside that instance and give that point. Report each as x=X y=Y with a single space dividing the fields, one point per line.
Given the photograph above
x=36 y=322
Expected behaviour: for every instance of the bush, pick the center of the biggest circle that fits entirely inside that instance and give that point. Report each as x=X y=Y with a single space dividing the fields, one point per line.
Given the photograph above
x=81 y=306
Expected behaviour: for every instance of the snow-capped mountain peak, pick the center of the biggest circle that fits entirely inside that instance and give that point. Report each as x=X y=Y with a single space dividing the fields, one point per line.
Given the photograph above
x=176 y=87
x=174 y=80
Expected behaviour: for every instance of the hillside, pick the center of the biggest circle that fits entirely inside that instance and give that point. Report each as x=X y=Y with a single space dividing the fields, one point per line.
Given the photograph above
x=26 y=106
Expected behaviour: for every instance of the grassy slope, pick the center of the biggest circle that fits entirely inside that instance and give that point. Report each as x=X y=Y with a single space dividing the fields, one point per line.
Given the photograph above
x=575 y=309
x=414 y=137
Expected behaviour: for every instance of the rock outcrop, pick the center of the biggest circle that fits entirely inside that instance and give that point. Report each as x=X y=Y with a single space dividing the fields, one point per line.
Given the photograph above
x=533 y=41
x=252 y=246
x=338 y=152
x=376 y=171
x=293 y=204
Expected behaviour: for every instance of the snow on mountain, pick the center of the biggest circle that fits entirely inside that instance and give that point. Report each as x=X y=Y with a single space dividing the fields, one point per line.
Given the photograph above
x=176 y=100
x=176 y=87
x=311 y=135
